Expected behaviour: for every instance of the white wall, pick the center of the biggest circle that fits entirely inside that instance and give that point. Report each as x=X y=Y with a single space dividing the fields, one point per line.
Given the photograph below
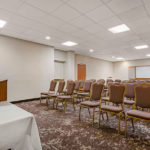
x=120 y=69
x=95 y=68
x=28 y=67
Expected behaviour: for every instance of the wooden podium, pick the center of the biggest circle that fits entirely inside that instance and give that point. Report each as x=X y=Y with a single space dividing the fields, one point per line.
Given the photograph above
x=3 y=90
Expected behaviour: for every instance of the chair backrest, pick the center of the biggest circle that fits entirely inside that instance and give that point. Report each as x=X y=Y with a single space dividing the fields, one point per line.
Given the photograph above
x=70 y=88
x=101 y=81
x=118 y=80
x=107 y=81
x=93 y=80
x=68 y=81
x=81 y=83
x=77 y=85
x=140 y=82
x=130 y=90
x=96 y=91
x=87 y=86
x=142 y=95
x=116 y=93
x=52 y=85
x=61 y=86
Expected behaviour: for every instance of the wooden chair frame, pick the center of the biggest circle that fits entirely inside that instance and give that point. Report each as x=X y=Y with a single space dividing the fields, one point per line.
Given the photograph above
x=89 y=107
x=128 y=116
x=114 y=113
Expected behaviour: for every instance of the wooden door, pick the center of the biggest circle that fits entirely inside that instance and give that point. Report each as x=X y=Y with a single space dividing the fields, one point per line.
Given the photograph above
x=3 y=90
x=81 y=71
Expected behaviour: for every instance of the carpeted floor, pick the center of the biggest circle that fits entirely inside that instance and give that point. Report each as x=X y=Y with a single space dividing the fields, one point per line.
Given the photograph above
x=63 y=131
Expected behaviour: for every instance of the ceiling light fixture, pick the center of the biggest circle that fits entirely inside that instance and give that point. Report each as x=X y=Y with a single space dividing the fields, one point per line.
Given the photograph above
x=141 y=47
x=120 y=58
x=148 y=55
x=47 y=37
x=119 y=28
x=91 y=50
x=2 y=23
x=69 y=43
x=113 y=56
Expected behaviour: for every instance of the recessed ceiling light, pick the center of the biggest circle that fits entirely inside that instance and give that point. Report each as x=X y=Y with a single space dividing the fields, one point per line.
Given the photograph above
x=91 y=50
x=2 y=23
x=47 y=37
x=120 y=58
x=119 y=28
x=69 y=43
x=141 y=47
x=148 y=55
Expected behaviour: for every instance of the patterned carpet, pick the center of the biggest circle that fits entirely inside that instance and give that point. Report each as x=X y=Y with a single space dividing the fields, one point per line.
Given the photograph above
x=63 y=131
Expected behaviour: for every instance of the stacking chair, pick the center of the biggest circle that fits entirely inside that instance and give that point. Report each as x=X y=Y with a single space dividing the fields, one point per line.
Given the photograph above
x=101 y=81
x=94 y=101
x=93 y=80
x=77 y=86
x=118 y=81
x=68 y=81
x=86 y=90
x=81 y=85
x=51 y=89
x=68 y=97
x=116 y=96
x=142 y=101
x=105 y=99
x=129 y=94
x=59 y=92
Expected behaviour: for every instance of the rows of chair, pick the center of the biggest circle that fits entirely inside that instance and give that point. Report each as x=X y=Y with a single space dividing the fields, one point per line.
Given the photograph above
x=106 y=97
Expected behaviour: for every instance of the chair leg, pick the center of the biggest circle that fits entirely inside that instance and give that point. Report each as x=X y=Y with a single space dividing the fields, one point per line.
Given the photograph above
x=102 y=116
x=107 y=115
x=56 y=103
x=47 y=101
x=89 y=112
x=65 y=106
x=93 y=116
x=79 y=113
x=119 y=124
x=125 y=126
x=132 y=124
x=53 y=102
x=99 y=118
x=73 y=104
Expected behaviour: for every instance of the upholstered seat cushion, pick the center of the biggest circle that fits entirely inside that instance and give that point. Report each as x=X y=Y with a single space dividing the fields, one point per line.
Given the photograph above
x=90 y=103
x=52 y=95
x=64 y=97
x=139 y=114
x=105 y=98
x=83 y=94
x=128 y=102
x=111 y=108
x=45 y=93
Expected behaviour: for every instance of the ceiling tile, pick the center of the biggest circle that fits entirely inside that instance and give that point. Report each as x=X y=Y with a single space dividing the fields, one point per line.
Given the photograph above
x=46 y=5
x=82 y=22
x=85 y=5
x=119 y=6
x=66 y=13
x=100 y=14
x=11 y=5
x=133 y=14
x=30 y=12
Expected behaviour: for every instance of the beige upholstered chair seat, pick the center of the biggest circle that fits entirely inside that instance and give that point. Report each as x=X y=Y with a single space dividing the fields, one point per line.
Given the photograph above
x=90 y=103
x=64 y=96
x=84 y=94
x=46 y=93
x=52 y=95
x=111 y=108
x=129 y=102
x=105 y=98
x=139 y=114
